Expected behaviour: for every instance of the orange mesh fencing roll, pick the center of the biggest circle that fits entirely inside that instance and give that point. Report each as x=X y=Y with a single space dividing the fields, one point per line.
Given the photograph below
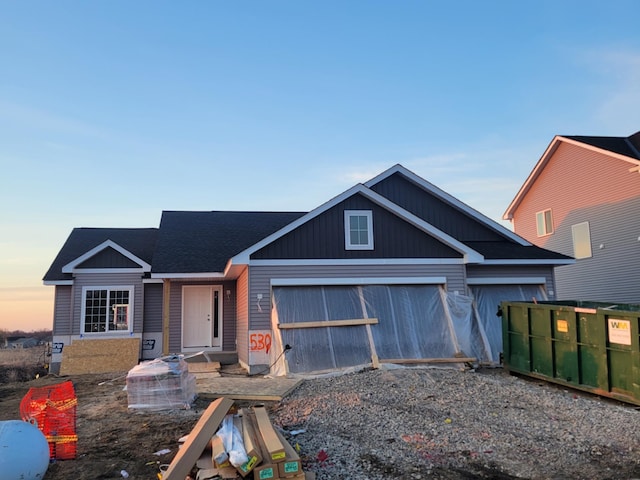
x=53 y=409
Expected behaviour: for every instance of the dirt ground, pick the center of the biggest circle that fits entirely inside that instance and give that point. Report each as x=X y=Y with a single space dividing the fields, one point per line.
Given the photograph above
x=111 y=438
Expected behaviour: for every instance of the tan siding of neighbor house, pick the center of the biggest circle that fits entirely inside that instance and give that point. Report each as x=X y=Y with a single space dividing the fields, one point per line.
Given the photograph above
x=581 y=185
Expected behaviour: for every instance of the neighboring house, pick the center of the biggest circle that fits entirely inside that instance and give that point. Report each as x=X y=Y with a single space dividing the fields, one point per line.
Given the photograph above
x=582 y=199
x=21 y=342
x=391 y=269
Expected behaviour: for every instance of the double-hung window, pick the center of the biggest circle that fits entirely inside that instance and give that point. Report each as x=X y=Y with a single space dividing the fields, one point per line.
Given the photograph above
x=544 y=223
x=107 y=309
x=358 y=229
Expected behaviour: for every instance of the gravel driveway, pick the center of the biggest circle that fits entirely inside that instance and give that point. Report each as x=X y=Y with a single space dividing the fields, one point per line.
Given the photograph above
x=453 y=424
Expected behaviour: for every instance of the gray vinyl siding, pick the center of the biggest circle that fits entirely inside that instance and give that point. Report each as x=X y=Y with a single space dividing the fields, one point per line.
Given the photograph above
x=261 y=280
x=433 y=210
x=508 y=271
x=112 y=280
x=324 y=237
x=228 y=314
x=152 y=307
x=612 y=274
x=242 y=317
x=62 y=314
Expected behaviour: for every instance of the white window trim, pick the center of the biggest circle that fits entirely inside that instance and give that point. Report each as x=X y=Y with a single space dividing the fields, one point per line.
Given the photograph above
x=575 y=228
x=347 y=237
x=548 y=231
x=83 y=310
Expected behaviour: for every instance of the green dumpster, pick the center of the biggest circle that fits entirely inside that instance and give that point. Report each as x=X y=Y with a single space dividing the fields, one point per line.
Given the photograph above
x=590 y=346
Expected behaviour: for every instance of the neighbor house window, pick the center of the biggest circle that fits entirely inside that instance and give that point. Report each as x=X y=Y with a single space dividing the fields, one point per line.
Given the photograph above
x=544 y=223
x=107 y=309
x=581 y=240
x=358 y=229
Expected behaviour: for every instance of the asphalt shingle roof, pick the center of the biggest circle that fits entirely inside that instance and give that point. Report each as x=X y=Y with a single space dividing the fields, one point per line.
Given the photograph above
x=140 y=242
x=508 y=250
x=196 y=242
x=621 y=145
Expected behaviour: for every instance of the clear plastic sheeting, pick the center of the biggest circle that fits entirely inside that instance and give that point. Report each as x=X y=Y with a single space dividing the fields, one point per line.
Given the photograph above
x=160 y=384
x=486 y=302
x=413 y=322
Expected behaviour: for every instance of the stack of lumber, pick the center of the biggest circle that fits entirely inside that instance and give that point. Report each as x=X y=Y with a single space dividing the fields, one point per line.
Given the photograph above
x=268 y=454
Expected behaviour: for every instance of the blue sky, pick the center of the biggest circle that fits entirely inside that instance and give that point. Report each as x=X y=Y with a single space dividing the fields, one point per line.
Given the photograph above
x=112 y=111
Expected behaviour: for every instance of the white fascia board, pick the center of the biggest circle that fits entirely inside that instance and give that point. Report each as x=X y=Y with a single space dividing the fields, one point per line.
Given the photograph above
x=57 y=282
x=430 y=187
x=333 y=281
x=70 y=267
x=151 y=280
x=470 y=255
x=356 y=261
x=188 y=276
x=507 y=281
x=530 y=262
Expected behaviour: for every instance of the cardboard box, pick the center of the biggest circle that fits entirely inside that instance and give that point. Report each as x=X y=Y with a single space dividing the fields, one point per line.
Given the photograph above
x=291 y=467
x=254 y=458
x=219 y=455
x=270 y=440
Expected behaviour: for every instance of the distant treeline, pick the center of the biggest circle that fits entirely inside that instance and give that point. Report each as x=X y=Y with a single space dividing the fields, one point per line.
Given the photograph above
x=42 y=335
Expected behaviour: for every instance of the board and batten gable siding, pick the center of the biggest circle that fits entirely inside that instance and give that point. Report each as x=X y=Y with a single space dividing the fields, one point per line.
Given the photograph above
x=324 y=237
x=82 y=280
x=228 y=314
x=242 y=316
x=152 y=307
x=62 y=314
x=433 y=210
x=580 y=185
x=261 y=277
x=108 y=258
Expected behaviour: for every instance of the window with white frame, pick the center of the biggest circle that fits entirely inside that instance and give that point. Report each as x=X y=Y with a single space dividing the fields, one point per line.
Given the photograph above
x=107 y=309
x=358 y=229
x=544 y=223
x=581 y=240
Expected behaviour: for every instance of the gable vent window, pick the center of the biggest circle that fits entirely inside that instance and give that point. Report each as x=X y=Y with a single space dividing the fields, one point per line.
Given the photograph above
x=581 y=240
x=544 y=223
x=107 y=309
x=358 y=229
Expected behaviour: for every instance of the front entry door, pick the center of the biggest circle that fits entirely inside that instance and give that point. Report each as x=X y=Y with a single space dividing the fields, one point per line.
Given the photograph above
x=201 y=317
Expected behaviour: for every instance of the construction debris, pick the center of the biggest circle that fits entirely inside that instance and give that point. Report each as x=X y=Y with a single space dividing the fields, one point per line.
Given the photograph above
x=207 y=451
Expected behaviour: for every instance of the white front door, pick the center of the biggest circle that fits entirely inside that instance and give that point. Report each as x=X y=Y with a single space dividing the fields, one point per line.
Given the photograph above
x=201 y=317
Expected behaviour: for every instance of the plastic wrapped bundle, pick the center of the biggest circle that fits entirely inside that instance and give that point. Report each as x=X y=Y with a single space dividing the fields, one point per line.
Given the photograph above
x=161 y=384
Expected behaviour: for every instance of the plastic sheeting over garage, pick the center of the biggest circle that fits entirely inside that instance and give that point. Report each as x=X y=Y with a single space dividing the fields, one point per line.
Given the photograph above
x=338 y=327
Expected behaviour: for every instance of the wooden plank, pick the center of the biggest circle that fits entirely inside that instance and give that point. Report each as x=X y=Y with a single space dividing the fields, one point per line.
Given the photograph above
x=401 y=361
x=329 y=323
x=203 y=367
x=270 y=438
x=100 y=356
x=198 y=439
